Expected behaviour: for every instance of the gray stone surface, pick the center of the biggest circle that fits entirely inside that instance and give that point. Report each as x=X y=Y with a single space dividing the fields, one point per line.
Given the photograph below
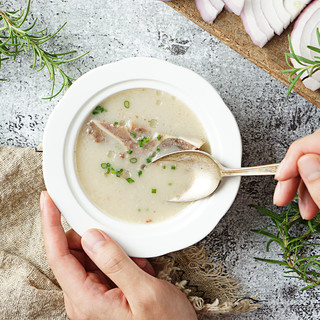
x=268 y=121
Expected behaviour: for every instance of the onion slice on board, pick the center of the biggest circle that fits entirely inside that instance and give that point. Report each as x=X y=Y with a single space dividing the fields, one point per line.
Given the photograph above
x=309 y=37
x=297 y=33
x=258 y=37
x=209 y=9
x=261 y=20
x=282 y=13
x=294 y=7
x=271 y=15
x=234 y=6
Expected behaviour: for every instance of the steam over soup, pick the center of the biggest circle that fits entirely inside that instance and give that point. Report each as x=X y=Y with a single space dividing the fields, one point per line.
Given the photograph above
x=120 y=137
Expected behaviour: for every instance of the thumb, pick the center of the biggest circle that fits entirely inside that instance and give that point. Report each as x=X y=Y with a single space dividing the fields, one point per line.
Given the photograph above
x=309 y=170
x=113 y=261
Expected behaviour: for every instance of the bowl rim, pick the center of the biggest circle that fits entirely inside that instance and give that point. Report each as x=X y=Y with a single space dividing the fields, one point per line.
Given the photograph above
x=63 y=125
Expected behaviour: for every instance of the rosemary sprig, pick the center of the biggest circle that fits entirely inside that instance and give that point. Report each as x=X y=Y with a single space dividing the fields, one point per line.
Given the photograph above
x=308 y=66
x=15 y=39
x=297 y=239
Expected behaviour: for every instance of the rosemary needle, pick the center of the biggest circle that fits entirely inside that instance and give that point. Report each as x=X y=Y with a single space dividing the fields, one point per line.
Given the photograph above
x=15 y=39
x=297 y=240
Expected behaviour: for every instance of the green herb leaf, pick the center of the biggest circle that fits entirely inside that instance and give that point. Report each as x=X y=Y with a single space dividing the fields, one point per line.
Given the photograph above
x=129 y=151
x=139 y=173
x=133 y=160
x=154 y=191
x=126 y=104
x=15 y=39
x=173 y=167
x=130 y=180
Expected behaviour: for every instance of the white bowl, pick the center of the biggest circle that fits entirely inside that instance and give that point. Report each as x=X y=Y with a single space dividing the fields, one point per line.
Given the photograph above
x=196 y=220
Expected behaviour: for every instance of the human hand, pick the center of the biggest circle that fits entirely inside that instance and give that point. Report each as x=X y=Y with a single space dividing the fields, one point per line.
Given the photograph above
x=99 y=281
x=300 y=171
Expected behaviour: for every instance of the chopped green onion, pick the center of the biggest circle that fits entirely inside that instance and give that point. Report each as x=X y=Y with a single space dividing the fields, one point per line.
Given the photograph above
x=158 y=149
x=140 y=143
x=133 y=160
x=118 y=173
x=159 y=137
x=154 y=190
x=133 y=134
x=146 y=139
x=173 y=167
x=130 y=180
x=148 y=160
x=108 y=165
x=98 y=109
x=139 y=173
x=116 y=123
x=129 y=151
x=126 y=104
x=163 y=167
x=170 y=184
x=113 y=171
x=139 y=210
x=108 y=171
x=104 y=166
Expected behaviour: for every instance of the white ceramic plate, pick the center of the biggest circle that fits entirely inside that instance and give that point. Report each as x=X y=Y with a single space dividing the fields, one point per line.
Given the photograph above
x=149 y=240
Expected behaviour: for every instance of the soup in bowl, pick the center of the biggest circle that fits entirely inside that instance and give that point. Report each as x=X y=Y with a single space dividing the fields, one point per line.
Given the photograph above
x=102 y=136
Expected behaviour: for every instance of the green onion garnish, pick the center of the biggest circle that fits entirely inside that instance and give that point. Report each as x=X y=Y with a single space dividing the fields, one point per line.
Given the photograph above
x=126 y=104
x=154 y=190
x=116 y=123
x=163 y=167
x=159 y=137
x=104 y=166
x=129 y=151
x=139 y=210
x=170 y=184
x=146 y=139
x=118 y=173
x=98 y=109
x=173 y=167
x=148 y=160
x=130 y=180
x=108 y=171
x=140 y=143
x=139 y=173
x=133 y=160
x=158 y=149
x=113 y=171
x=108 y=165
x=133 y=134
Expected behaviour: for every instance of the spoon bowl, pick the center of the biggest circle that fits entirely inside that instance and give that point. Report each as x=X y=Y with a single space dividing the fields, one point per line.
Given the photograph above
x=207 y=172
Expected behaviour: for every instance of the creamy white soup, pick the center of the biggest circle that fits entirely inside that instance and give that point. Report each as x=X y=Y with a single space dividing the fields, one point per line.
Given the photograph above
x=116 y=145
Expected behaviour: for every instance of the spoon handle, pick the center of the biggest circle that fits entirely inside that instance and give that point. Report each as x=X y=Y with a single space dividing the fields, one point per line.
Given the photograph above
x=269 y=169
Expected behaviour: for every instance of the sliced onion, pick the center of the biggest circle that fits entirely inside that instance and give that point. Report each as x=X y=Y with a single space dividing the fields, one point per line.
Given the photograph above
x=301 y=30
x=209 y=9
x=271 y=16
x=294 y=7
x=262 y=22
x=282 y=13
x=248 y=17
x=234 y=6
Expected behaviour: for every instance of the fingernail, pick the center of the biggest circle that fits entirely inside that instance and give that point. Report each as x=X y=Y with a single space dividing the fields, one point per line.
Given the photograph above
x=280 y=169
x=42 y=200
x=309 y=167
x=93 y=239
x=301 y=207
x=277 y=193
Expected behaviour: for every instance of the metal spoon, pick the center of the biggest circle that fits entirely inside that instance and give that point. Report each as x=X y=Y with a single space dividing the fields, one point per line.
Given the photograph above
x=208 y=172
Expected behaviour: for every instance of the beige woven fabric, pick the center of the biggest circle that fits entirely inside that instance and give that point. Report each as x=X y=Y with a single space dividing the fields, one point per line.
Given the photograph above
x=28 y=288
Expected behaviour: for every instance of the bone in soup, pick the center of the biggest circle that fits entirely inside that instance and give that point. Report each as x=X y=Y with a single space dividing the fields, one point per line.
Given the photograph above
x=120 y=138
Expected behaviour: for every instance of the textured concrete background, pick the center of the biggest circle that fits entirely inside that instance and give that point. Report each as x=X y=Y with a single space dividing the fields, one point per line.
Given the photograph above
x=268 y=121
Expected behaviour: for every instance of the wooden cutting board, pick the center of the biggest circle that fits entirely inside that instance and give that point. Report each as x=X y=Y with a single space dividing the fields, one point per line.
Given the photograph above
x=229 y=29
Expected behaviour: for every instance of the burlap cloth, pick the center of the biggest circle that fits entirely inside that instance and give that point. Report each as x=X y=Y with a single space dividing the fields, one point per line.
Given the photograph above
x=28 y=288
